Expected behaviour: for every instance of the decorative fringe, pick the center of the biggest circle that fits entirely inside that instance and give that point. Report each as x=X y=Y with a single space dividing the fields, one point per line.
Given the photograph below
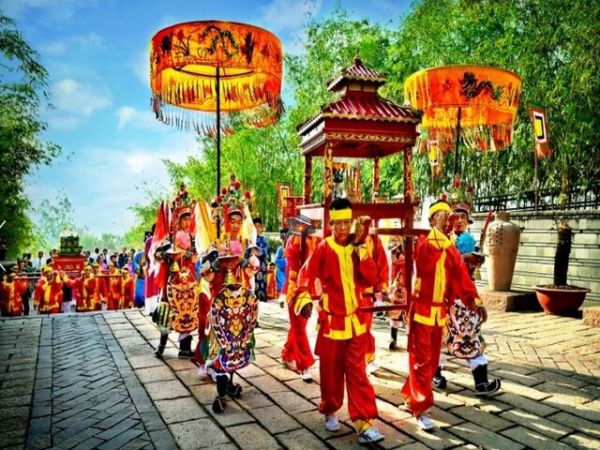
x=482 y=137
x=204 y=123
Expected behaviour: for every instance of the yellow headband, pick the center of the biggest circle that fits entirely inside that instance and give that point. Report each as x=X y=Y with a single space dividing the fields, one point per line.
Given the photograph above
x=340 y=214
x=441 y=206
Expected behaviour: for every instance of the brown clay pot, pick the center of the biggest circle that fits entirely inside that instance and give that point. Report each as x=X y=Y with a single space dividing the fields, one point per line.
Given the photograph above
x=502 y=244
x=560 y=300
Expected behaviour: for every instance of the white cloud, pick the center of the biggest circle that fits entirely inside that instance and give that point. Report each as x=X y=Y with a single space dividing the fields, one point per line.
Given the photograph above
x=74 y=101
x=103 y=182
x=141 y=67
x=288 y=14
x=88 y=42
x=130 y=116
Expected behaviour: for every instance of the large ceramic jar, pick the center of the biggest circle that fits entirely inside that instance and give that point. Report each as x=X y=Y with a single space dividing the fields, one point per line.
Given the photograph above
x=502 y=245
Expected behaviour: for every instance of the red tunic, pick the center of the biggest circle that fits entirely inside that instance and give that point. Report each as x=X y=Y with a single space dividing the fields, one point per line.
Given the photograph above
x=48 y=295
x=344 y=272
x=442 y=277
x=296 y=351
x=376 y=251
x=113 y=289
x=127 y=288
x=11 y=297
x=85 y=291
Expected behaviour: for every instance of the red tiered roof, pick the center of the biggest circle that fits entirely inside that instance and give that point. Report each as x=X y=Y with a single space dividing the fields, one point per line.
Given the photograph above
x=359 y=123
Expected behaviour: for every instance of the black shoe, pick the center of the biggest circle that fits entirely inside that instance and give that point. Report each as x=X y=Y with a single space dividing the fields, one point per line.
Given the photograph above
x=219 y=404
x=233 y=390
x=439 y=381
x=482 y=385
x=159 y=351
x=185 y=354
x=488 y=388
x=394 y=334
x=222 y=382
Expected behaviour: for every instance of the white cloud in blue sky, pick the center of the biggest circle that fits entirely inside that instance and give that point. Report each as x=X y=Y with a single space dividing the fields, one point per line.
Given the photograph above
x=96 y=52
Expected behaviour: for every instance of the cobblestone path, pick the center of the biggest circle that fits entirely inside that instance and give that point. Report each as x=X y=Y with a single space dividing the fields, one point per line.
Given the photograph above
x=91 y=381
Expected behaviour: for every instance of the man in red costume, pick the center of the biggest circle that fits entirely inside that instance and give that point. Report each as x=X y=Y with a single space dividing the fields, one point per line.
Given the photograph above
x=376 y=251
x=113 y=287
x=100 y=289
x=85 y=290
x=11 y=294
x=296 y=353
x=344 y=270
x=127 y=287
x=48 y=292
x=441 y=277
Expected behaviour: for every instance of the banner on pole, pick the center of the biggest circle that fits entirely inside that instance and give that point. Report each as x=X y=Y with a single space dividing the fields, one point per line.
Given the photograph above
x=540 y=131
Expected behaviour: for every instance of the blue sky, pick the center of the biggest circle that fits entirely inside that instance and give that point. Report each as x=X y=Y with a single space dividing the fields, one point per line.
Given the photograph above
x=96 y=52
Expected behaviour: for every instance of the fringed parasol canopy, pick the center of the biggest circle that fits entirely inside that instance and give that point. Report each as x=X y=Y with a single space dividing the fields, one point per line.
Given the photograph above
x=480 y=102
x=189 y=60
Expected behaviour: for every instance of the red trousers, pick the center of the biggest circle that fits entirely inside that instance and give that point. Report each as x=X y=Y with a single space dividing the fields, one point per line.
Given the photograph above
x=297 y=347
x=367 y=300
x=343 y=362
x=423 y=359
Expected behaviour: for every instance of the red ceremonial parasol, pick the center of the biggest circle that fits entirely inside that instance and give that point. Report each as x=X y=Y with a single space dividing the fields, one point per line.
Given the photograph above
x=201 y=68
x=477 y=104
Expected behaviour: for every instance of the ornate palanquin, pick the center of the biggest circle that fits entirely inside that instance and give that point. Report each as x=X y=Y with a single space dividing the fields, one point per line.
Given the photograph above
x=359 y=124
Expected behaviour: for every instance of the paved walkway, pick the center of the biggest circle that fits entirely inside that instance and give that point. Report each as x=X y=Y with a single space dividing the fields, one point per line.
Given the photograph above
x=91 y=381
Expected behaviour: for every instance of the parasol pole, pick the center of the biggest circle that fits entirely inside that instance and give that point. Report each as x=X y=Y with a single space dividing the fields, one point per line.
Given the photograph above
x=456 y=154
x=218 y=84
x=535 y=178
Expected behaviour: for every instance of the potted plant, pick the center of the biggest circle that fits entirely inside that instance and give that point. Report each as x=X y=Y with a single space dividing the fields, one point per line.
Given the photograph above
x=561 y=298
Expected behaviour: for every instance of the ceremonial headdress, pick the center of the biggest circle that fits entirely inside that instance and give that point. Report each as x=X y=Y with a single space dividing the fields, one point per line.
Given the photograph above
x=231 y=201
x=182 y=206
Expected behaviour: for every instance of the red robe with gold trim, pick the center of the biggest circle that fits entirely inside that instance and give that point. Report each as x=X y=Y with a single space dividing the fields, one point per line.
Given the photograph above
x=341 y=339
x=85 y=292
x=127 y=287
x=377 y=252
x=100 y=292
x=441 y=277
x=113 y=289
x=48 y=294
x=11 y=297
x=296 y=351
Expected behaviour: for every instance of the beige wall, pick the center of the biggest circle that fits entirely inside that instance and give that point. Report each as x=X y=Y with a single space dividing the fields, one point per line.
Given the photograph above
x=535 y=260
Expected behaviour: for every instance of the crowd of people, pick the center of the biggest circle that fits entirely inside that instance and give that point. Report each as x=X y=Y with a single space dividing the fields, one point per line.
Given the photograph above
x=116 y=284
x=344 y=278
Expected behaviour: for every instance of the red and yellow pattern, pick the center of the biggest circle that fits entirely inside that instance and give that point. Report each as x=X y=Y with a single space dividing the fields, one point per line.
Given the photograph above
x=185 y=60
x=487 y=97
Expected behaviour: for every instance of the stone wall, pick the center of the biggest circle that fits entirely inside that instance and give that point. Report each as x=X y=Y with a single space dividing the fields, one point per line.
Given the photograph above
x=535 y=260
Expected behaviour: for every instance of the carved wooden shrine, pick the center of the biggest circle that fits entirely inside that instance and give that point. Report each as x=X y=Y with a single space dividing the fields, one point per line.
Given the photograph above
x=360 y=124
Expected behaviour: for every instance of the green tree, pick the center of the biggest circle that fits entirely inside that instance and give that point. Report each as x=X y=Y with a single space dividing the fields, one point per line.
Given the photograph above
x=23 y=81
x=551 y=44
x=54 y=218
